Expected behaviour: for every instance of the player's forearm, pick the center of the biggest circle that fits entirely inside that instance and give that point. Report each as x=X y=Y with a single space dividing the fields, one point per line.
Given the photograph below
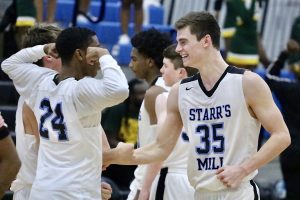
x=114 y=79
x=277 y=143
x=28 y=55
x=151 y=172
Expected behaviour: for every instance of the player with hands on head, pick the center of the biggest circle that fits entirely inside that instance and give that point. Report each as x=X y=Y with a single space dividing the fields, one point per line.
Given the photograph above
x=68 y=108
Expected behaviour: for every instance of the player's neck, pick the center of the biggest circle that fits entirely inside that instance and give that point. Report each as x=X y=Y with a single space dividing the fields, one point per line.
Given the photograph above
x=152 y=75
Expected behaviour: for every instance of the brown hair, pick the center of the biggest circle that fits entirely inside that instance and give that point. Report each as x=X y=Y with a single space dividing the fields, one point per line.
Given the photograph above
x=201 y=24
x=176 y=59
x=39 y=35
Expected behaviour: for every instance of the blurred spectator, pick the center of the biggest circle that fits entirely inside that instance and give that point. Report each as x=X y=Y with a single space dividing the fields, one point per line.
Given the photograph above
x=120 y=123
x=288 y=93
x=295 y=38
x=125 y=17
x=243 y=46
x=9 y=161
x=18 y=18
x=83 y=11
x=51 y=8
x=229 y=26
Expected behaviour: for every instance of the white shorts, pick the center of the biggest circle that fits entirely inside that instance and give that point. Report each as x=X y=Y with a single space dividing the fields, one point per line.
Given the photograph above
x=63 y=195
x=246 y=191
x=177 y=186
x=134 y=189
x=22 y=194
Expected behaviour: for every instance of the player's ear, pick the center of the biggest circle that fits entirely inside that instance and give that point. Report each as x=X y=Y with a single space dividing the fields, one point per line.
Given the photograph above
x=182 y=72
x=206 y=40
x=79 y=54
x=47 y=59
x=150 y=62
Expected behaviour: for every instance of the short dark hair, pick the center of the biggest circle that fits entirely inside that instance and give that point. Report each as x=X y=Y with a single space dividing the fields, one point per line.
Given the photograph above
x=176 y=59
x=71 y=39
x=151 y=43
x=201 y=24
x=39 y=35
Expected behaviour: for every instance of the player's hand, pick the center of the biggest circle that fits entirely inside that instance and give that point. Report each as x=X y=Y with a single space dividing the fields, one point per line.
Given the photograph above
x=50 y=50
x=106 y=191
x=231 y=176
x=94 y=53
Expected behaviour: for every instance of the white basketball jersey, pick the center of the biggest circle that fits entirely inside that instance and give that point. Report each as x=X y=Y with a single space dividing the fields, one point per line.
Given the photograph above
x=70 y=150
x=27 y=148
x=146 y=133
x=220 y=128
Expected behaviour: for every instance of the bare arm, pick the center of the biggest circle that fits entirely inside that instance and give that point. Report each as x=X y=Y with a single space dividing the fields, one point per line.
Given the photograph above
x=153 y=168
x=259 y=98
x=9 y=160
x=260 y=102
x=30 y=123
x=166 y=138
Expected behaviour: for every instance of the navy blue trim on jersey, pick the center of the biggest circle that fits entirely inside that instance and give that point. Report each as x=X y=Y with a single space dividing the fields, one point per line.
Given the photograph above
x=229 y=69
x=211 y=92
x=161 y=184
x=254 y=190
x=154 y=81
x=55 y=79
x=235 y=70
x=189 y=79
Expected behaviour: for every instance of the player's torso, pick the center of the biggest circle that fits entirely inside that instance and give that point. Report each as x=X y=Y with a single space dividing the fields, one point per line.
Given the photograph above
x=220 y=129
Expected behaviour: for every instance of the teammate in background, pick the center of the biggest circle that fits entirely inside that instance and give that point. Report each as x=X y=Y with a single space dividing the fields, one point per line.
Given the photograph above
x=27 y=134
x=222 y=109
x=9 y=161
x=173 y=171
x=146 y=60
x=68 y=107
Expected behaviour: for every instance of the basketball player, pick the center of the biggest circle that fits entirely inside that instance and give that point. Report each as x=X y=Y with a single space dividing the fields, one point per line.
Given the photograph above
x=68 y=106
x=9 y=161
x=27 y=135
x=221 y=108
x=146 y=60
x=173 y=175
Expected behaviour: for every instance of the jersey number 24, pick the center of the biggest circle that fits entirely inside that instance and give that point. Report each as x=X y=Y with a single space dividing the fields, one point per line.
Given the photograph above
x=57 y=120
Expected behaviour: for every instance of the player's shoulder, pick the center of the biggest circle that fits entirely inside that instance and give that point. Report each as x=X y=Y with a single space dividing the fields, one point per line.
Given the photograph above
x=190 y=79
x=154 y=90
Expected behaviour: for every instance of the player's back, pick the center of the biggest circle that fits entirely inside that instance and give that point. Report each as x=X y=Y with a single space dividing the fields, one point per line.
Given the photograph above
x=70 y=156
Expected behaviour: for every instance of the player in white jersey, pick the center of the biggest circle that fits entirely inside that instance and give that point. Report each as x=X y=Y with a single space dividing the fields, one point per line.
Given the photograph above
x=173 y=171
x=221 y=109
x=146 y=60
x=27 y=135
x=67 y=107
